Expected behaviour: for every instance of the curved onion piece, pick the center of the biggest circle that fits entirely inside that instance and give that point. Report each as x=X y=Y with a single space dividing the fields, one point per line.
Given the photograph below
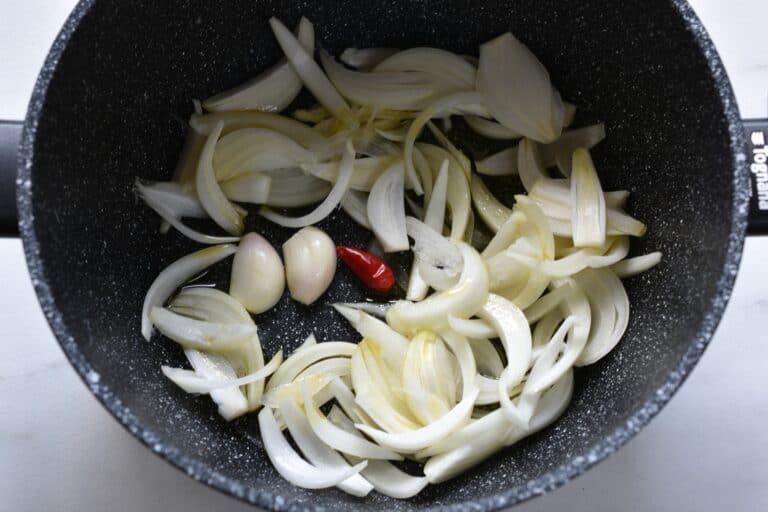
x=365 y=59
x=386 y=209
x=252 y=187
x=231 y=401
x=587 y=202
x=290 y=465
x=458 y=194
x=292 y=188
x=175 y=275
x=366 y=171
x=355 y=203
x=328 y=205
x=385 y=477
x=339 y=439
x=190 y=382
x=433 y=248
x=483 y=437
x=449 y=146
x=173 y=220
x=491 y=129
x=493 y=213
x=272 y=90
x=300 y=132
x=434 y=217
x=610 y=306
x=209 y=192
x=393 y=344
x=219 y=306
x=199 y=334
x=172 y=196
x=257 y=149
x=633 y=266
x=311 y=74
x=576 y=306
x=506 y=234
x=614 y=251
x=409 y=442
x=399 y=91
x=445 y=66
x=471 y=328
x=521 y=412
x=463 y=300
x=547 y=303
x=307 y=356
x=334 y=366
x=515 y=335
x=517 y=90
x=421 y=386
x=317 y=452
x=487 y=357
x=372 y=308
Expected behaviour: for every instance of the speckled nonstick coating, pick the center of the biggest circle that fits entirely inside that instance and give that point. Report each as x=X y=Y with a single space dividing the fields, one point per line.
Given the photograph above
x=107 y=107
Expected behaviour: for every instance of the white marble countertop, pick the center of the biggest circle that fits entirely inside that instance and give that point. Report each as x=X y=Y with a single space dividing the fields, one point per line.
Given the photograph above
x=708 y=449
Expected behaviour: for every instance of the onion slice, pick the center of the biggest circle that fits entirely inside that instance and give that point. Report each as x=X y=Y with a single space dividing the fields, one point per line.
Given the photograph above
x=632 y=266
x=209 y=192
x=200 y=334
x=386 y=209
x=587 y=202
x=253 y=188
x=175 y=275
x=192 y=383
x=272 y=90
x=311 y=74
x=290 y=465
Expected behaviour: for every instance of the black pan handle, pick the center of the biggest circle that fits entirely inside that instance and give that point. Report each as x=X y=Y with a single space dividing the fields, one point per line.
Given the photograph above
x=10 y=135
x=757 y=136
x=757 y=159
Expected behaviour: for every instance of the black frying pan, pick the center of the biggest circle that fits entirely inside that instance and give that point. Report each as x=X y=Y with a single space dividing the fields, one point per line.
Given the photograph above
x=107 y=107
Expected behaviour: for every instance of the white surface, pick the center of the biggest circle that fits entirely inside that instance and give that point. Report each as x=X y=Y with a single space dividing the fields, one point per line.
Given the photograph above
x=59 y=450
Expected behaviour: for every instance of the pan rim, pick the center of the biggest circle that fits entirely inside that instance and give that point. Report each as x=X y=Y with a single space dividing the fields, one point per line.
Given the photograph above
x=548 y=481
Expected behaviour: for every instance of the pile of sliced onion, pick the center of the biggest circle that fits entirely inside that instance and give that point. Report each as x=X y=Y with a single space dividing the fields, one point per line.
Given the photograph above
x=506 y=294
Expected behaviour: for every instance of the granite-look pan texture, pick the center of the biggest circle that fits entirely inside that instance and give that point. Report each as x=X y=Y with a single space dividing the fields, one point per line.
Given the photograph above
x=108 y=107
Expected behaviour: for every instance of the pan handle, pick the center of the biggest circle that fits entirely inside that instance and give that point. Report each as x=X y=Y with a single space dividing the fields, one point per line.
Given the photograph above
x=757 y=137
x=757 y=159
x=10 y=135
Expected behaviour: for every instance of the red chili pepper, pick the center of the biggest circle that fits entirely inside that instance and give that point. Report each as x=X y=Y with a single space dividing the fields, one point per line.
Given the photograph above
x=374 y=273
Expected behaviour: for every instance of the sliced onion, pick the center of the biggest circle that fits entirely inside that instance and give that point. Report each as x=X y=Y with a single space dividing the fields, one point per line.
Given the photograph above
x=372 y=308
x=252 y=187
x=587 y=202
x=493 y=213
x=432 y=248
x=317 y=452
x=339 y=439
x=230 y=400
x=177 y=201
x=445 y=66
x=311 y=74
x=301 y=359
x=400 y=91
x=386 y=478
x=355 y=203
x=393 y=344
x=547 y=303
x=209 y=192
x=517 y=89
x=257 y=149
x=192 y=383
x=175 y=275
x=365 y=59
x=463 y=300
x=199 y=334
x=366 y=171
x=327 y=206
x=300 y=132
x=458 y=194
x=386 y=209
x=515 y=335
x=455 y=152
x=471 y=328
x=490 y=129
x=291 y=466
x=633 y=266
x=169 y=217
x=292 y=188
x=334 y=366
x=272 y=90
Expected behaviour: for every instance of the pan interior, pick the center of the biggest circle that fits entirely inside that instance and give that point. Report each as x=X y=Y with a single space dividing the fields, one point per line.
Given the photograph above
x=115 y=109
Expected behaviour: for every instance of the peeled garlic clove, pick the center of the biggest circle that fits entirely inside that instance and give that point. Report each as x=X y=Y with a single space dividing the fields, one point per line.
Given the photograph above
x=258 y=278
x=310 y=263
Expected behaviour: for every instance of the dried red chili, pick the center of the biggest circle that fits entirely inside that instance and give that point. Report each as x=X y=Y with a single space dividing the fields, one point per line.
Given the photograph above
x=374 y=273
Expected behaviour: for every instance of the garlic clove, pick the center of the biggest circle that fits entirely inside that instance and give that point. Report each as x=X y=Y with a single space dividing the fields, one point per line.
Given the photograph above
x=310 y=264
x=258 y=277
